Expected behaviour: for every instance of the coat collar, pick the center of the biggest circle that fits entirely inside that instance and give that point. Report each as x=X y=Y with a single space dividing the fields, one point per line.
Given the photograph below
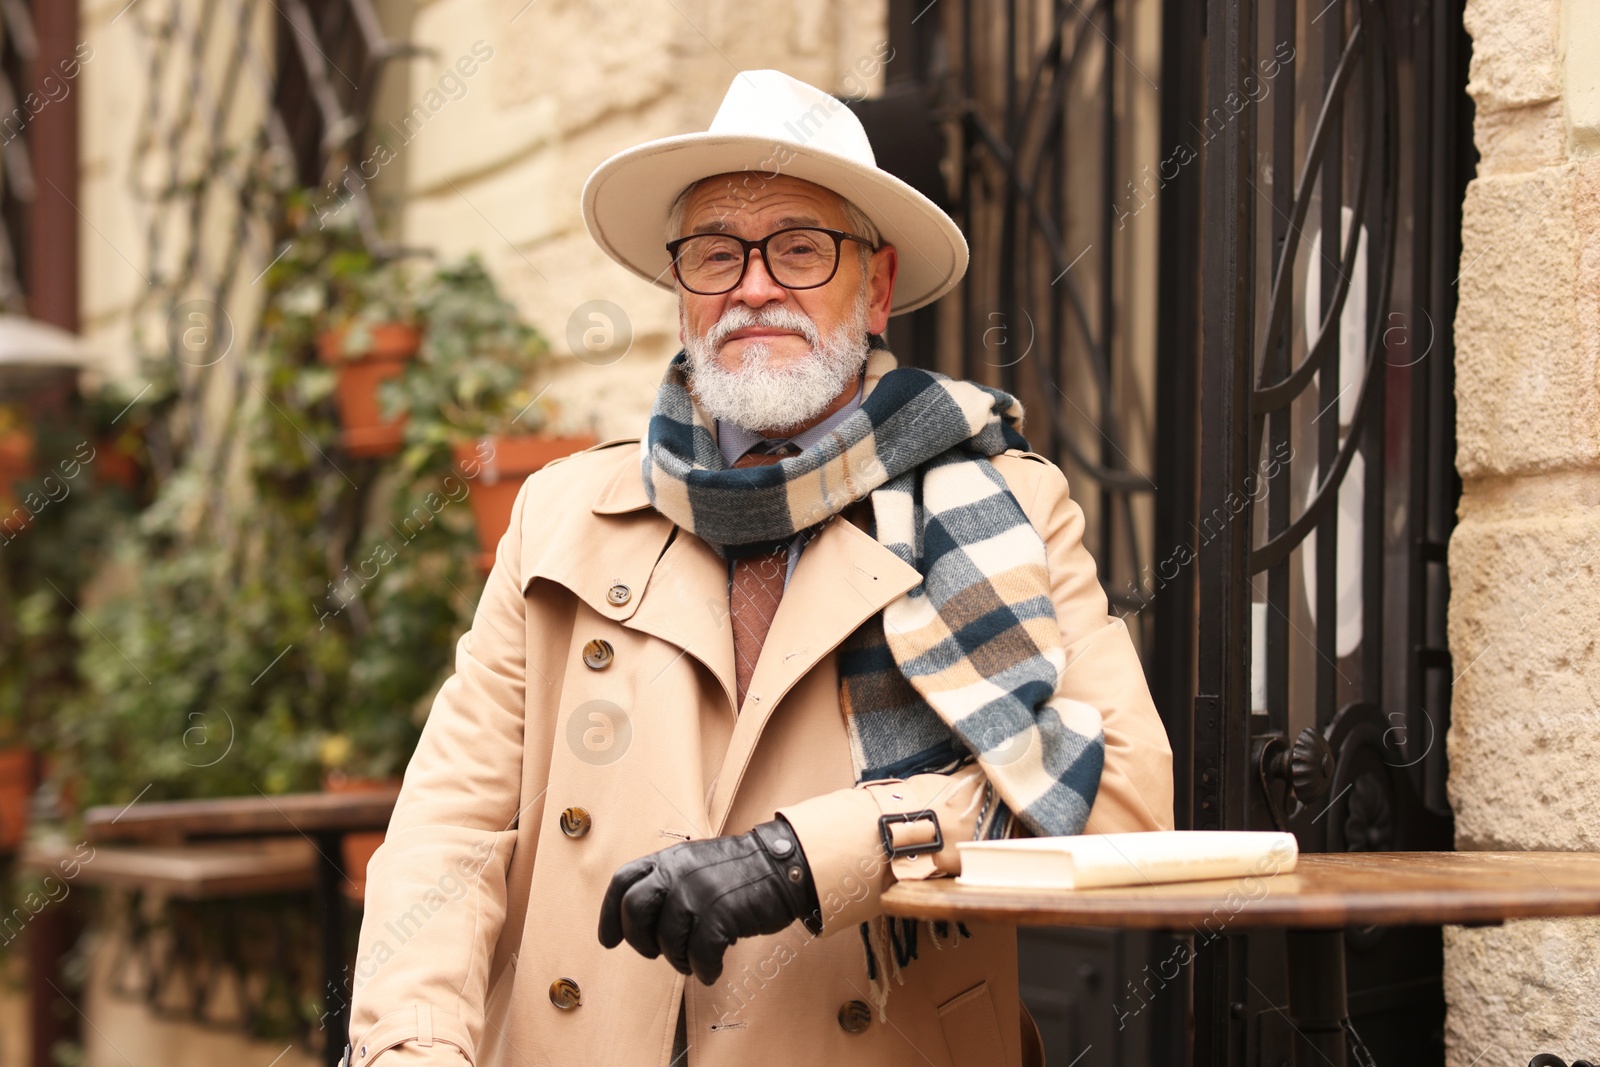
x=624 y=490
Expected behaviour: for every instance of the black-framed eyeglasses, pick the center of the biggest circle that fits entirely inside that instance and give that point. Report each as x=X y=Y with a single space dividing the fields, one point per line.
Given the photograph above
x=800 y=257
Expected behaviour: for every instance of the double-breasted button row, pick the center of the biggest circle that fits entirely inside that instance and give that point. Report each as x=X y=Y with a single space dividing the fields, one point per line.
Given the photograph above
x=575 y=821
x=597 y=654
x=565 y=994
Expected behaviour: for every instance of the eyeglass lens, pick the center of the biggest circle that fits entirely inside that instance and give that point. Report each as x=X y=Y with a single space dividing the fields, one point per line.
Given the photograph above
x=798 y=259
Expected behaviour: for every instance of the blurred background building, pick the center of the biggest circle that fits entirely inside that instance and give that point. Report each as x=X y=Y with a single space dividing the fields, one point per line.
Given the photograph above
x=1301 y=295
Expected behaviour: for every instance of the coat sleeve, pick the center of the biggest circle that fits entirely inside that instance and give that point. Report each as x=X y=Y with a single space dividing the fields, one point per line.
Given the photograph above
x=839 y=831
x=436 y=888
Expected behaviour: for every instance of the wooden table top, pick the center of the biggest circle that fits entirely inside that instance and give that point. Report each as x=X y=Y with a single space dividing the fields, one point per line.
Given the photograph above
x=1324 y=891
x=257 y=816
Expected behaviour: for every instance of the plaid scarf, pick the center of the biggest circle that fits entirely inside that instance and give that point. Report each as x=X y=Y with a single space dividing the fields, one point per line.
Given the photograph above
x=963 y=666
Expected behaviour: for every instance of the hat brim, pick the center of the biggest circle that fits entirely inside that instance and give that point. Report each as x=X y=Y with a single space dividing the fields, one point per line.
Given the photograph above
x=627 y=198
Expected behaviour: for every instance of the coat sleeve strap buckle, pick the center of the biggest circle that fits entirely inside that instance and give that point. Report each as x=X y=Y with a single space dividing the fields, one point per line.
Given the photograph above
x=909 y=850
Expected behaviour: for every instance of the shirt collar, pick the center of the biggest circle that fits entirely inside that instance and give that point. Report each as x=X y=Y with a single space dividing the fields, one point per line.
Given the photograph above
x=734 y=440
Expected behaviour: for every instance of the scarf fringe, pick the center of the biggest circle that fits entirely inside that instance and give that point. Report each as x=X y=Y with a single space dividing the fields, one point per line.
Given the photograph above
x=895 y=941
x=875 y=931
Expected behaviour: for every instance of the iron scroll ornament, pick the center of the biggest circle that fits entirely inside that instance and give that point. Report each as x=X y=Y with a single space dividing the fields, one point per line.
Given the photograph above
x=1029 y=249
x=1366 y=49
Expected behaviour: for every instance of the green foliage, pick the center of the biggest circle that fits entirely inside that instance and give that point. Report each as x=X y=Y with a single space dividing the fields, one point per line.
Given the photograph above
x=475 y=369
x=53 y=531
x=306 y=623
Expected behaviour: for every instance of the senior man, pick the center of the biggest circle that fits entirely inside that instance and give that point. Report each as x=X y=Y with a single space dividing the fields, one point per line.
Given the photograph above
x=826 y=618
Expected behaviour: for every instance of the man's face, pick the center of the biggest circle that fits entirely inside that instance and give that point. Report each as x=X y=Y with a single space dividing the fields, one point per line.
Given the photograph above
x=752 y=206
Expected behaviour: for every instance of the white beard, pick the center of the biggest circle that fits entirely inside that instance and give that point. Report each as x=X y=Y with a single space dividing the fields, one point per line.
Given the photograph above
x=758 y=397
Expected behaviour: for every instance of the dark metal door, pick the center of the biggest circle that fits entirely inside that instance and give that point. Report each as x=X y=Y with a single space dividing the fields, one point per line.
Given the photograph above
x=1337 y=149
x=1213 y=252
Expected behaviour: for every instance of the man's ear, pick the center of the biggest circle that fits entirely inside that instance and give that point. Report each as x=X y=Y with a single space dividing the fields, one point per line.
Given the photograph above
x=882 y=268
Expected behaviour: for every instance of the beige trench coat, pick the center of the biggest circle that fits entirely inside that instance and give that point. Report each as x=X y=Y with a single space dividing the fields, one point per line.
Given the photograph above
x=550 y=760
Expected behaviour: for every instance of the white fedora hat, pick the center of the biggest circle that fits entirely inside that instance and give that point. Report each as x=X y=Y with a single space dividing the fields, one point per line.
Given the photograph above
x=772 y=124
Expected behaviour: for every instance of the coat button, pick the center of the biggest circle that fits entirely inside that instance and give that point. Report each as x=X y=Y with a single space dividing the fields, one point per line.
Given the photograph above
x=575 y=822
x=597 y=654
x=565 y=994
x=618 y=594
x=854 y=1016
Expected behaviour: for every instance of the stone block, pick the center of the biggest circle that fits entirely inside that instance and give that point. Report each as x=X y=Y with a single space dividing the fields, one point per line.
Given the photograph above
x=111 y=339
x=586 y=58
x=1515 y=60
x=1524 y=139
x=1520 y=989
x=512 y=207
x=109 y=116
x=553 y=68
x=1528 y=325
x=1524 y=579
x=114 y=267
x=447 y=121
x=614 y=400
x=550 y=282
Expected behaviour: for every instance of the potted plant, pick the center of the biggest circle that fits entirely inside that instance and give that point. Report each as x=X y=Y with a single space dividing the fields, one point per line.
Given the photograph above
x=471 y=392
x=305 y=609
x=369 y=346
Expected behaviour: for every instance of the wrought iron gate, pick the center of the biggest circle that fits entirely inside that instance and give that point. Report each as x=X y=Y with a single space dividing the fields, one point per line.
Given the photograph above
x=1213 y=247
x=1327 y=455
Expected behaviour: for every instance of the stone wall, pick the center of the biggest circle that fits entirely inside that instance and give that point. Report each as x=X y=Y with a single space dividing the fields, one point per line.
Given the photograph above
x=1525 y=559
x=569 y=83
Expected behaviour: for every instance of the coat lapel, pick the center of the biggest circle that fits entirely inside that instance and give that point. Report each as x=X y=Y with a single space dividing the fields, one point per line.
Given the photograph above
x=687 y=605
x=684 y=584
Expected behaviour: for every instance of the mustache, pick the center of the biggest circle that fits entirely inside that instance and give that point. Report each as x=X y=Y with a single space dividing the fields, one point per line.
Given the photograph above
x=775 y=317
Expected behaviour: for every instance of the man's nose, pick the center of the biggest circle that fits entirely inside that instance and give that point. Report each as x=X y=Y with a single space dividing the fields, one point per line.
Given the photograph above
x=756 y=288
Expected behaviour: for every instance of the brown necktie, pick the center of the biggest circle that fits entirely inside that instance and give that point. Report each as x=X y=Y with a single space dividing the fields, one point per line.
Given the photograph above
x=757 y=588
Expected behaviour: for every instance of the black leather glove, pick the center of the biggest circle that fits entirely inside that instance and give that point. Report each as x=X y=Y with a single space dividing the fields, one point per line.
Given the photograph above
x=690 y=901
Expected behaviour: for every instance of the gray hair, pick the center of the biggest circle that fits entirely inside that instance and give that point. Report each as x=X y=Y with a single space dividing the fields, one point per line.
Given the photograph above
x=854 y=217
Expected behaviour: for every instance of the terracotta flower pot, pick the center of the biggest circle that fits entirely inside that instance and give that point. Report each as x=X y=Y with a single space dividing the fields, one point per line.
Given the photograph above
x=16 y=793
x=16 y=465
x=364 y=431
x=358 y=848
x=496 y=467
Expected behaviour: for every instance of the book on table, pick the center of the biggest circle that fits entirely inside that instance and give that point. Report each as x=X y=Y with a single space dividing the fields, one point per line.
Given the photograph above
x=1089 y=861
